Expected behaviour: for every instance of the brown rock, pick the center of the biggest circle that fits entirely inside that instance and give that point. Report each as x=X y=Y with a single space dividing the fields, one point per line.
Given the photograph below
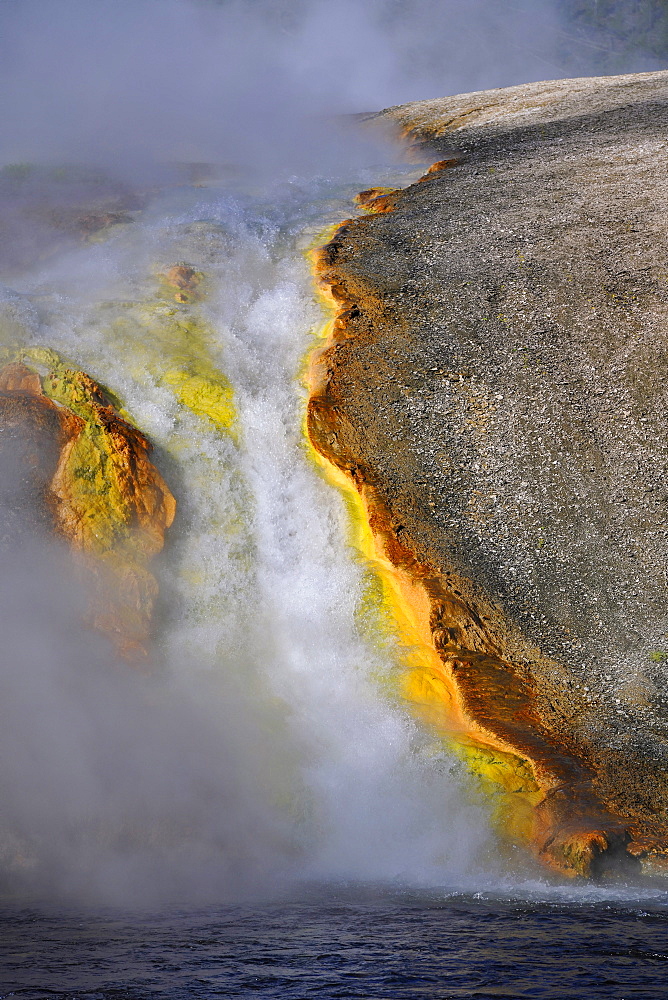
x=71 y=464
x=187 y=279
x=33 y=432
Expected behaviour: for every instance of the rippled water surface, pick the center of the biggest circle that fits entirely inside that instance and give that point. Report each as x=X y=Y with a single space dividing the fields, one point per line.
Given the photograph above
x=396 y=946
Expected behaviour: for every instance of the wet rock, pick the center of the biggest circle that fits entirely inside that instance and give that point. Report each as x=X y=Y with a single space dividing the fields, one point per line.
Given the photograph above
x=186 y=279
x=495 y=385
x=93 y=223
x=33 y=431
x=72 y=465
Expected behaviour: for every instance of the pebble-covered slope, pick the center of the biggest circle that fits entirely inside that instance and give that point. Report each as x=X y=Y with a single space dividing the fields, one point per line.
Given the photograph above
x=497 y=382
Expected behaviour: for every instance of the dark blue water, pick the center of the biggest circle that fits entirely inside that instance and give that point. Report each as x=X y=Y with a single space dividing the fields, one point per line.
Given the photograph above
x=396 y=946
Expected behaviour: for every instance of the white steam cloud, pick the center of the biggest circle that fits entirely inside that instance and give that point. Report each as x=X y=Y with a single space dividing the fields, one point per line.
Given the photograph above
x=263 y=746
x=242 y=81
x=115 y=785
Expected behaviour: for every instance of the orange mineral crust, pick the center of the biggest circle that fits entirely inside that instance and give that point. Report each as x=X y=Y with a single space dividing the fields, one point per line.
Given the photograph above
x=83 y=472
x=493 y=389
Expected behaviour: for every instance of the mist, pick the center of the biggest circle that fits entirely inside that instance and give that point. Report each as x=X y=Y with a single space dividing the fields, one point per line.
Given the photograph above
x=116 y=786
x=260 y=749
x=253 y=84
x=256 y=750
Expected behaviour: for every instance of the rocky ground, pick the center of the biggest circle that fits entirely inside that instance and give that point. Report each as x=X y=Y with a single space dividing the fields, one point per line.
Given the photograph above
x=496 y=384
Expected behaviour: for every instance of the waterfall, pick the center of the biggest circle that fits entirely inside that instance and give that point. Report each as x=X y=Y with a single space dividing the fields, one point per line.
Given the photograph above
x=268 y=742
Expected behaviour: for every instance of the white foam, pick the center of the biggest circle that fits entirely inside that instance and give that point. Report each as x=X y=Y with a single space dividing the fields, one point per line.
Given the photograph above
x=261 y=587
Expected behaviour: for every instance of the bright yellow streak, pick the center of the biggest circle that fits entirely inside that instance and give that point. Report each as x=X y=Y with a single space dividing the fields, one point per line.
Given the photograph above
x=426 y=684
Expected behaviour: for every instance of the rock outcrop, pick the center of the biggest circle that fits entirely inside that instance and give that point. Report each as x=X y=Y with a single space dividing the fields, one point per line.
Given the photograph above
x=495 y=385
x=72 y=465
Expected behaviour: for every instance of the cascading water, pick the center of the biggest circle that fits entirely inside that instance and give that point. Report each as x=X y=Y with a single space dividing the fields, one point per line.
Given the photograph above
x=270 y=743
x=263 y=763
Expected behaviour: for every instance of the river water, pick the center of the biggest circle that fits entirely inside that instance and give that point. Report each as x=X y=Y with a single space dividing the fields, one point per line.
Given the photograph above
x=346 y=944
x=257 y=815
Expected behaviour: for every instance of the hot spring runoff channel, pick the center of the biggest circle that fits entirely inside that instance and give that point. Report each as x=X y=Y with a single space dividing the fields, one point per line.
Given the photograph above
x=269 y=743
x=258 y=815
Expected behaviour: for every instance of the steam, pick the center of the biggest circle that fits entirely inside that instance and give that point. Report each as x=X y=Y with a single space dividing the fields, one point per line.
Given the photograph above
x=115 y=787
x=137 y=81
x=262 y=749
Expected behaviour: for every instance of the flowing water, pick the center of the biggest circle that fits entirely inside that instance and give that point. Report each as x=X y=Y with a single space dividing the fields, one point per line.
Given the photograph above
x=259 y=815
x=269 y=739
